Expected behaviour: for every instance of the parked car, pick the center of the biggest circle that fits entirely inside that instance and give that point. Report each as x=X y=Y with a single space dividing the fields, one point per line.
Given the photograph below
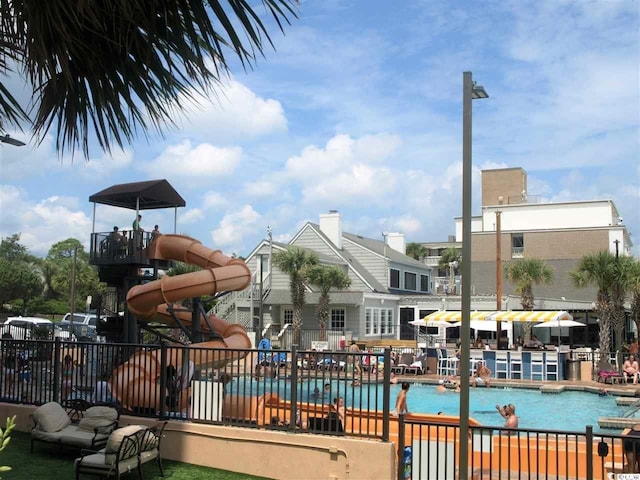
x=26 y=328
x=83 y=327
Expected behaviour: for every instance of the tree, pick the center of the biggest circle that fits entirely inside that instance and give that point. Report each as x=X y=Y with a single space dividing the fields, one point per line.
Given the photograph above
x=60 y=266
x=152 y=55
x=633 y=287
x=296 y=262
x=597 y=269
x=417 y=251
x=450 y=255
x=327 y=278
x=525 y=273
x=19 y=276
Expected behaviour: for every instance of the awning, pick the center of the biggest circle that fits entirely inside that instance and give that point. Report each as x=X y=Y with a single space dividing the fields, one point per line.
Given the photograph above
x=531 y=316
x=455 y=316
x=560 y=324
x=431 y=323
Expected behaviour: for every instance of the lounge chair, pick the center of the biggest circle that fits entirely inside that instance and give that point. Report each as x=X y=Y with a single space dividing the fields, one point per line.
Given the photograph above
x=127 y=449
x=88 y=428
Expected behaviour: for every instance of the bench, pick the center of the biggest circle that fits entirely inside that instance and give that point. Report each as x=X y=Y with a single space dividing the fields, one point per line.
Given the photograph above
x=75 y=423
x=126 y=450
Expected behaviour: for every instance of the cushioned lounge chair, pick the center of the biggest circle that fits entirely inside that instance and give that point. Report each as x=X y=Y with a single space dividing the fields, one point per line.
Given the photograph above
x=88 y=428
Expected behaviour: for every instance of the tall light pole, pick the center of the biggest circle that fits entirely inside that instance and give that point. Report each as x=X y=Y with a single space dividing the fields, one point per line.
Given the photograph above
x=470 y=91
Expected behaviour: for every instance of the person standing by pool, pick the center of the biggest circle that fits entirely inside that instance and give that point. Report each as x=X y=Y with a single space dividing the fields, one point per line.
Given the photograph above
x=632 y=448
x=353 y=348
x=401 y=401
x=509 y=413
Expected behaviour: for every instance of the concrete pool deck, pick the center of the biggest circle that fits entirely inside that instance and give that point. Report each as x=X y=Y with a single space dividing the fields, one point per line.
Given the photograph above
x=551 y=386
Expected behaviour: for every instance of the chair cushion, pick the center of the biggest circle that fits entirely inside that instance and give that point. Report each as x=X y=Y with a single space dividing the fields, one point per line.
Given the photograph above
x=91 y=423
x=108 y=413
x=75 y=436
x=51 y=417
x=115 y=440
x=100 y=416
x=97 y=463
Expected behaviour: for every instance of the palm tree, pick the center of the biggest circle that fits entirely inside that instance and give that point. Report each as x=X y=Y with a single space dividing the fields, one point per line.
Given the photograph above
x=296 y=262
x=152 y=55
x=633 y=287
x=327 y=278
x=525 y=273
x=448 y=256
x=417 y=250
x=597 y=269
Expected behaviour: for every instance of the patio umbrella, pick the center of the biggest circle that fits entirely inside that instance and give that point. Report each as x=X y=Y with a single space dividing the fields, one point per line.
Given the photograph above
x=559 y=323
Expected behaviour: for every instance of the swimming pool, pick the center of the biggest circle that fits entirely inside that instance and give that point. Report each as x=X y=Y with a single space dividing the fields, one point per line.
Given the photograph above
x=569 y=410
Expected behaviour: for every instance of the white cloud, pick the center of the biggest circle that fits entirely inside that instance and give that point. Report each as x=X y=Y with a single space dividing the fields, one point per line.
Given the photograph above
x=198 y=163
x=342 y=171
x=192 y=215
x=261 y=188
x=234 y=226
x=107 y=163
x=42 y=223
x=237 y=114
x=213 y=200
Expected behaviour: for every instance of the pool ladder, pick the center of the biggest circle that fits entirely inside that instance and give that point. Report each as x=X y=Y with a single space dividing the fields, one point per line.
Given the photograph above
x=633 y=408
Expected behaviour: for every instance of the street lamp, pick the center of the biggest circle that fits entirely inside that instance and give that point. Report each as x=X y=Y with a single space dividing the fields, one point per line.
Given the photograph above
x=470 y=91
x=11 y=141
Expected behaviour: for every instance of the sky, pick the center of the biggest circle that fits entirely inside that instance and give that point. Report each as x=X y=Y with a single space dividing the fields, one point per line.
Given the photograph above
x=359 y=109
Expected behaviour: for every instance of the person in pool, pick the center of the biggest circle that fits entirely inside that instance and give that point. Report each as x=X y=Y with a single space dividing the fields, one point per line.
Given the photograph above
x=509 y=413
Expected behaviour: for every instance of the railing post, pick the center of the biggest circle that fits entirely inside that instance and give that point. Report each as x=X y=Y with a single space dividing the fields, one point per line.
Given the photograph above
x=400 y=453
x=589 y=452
x=56 y=370
x=386 y=394
x=294 y=387
x=163 y=378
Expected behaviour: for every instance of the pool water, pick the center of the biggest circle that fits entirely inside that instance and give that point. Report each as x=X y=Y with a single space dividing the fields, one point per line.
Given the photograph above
x=569 y=411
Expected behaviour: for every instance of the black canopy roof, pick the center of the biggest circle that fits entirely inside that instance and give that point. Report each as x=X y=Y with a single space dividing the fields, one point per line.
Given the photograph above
x=153 y=194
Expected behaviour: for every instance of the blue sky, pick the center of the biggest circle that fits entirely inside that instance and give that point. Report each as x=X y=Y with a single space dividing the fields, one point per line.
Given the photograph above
x=359 y=109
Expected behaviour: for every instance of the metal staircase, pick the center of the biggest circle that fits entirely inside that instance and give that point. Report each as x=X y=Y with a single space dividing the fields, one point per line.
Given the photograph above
x=237 y=307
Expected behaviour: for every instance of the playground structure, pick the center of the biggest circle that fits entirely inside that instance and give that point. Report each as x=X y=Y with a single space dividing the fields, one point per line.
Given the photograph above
x=152 y=302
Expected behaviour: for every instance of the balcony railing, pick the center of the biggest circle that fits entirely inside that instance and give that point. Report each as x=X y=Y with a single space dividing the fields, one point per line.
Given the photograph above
x=517 y=252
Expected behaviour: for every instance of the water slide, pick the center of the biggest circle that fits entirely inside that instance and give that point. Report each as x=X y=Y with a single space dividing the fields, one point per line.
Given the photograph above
x=136 y=383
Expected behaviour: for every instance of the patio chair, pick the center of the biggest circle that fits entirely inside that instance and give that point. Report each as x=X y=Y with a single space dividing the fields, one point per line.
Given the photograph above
x=121 y=455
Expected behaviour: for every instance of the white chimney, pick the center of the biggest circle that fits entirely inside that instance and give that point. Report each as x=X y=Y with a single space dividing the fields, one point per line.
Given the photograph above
x=331 y=226
x=397 y=242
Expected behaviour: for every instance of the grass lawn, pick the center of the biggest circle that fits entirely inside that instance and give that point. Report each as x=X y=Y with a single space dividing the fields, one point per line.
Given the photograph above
x=48 y=462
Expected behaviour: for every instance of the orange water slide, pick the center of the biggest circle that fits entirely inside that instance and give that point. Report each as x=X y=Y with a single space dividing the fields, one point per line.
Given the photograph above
x=136 y=382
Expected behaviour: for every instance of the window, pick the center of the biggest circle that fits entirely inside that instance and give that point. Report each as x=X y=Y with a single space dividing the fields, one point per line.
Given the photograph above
x=394 y=281
x=517 y=245
x=379 y=321
x=410 y=281
x=337 y=318
x=424 y=283
x=287 y=315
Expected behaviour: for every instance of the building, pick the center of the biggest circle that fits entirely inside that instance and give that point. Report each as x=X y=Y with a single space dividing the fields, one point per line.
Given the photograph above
x=380 y=272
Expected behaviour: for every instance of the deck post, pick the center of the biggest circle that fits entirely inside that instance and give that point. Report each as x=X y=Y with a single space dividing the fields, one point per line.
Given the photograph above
x=400 y=455
x=589 y=452
x=386 y=394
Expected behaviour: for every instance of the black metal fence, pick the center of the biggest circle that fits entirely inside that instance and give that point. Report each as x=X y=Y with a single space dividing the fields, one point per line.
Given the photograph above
x=430 y=451
x=276 y=389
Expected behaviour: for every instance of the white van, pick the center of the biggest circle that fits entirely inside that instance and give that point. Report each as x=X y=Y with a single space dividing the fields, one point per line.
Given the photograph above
x=21 y=328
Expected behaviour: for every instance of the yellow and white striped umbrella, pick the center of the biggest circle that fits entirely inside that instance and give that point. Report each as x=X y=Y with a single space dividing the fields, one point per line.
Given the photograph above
x=532 y=316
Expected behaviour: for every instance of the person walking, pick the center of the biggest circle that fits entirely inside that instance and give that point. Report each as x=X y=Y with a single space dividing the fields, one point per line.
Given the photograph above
x=401 y=401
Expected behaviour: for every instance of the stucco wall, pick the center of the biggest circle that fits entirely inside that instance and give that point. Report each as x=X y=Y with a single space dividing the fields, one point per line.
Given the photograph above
x=257 y=452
